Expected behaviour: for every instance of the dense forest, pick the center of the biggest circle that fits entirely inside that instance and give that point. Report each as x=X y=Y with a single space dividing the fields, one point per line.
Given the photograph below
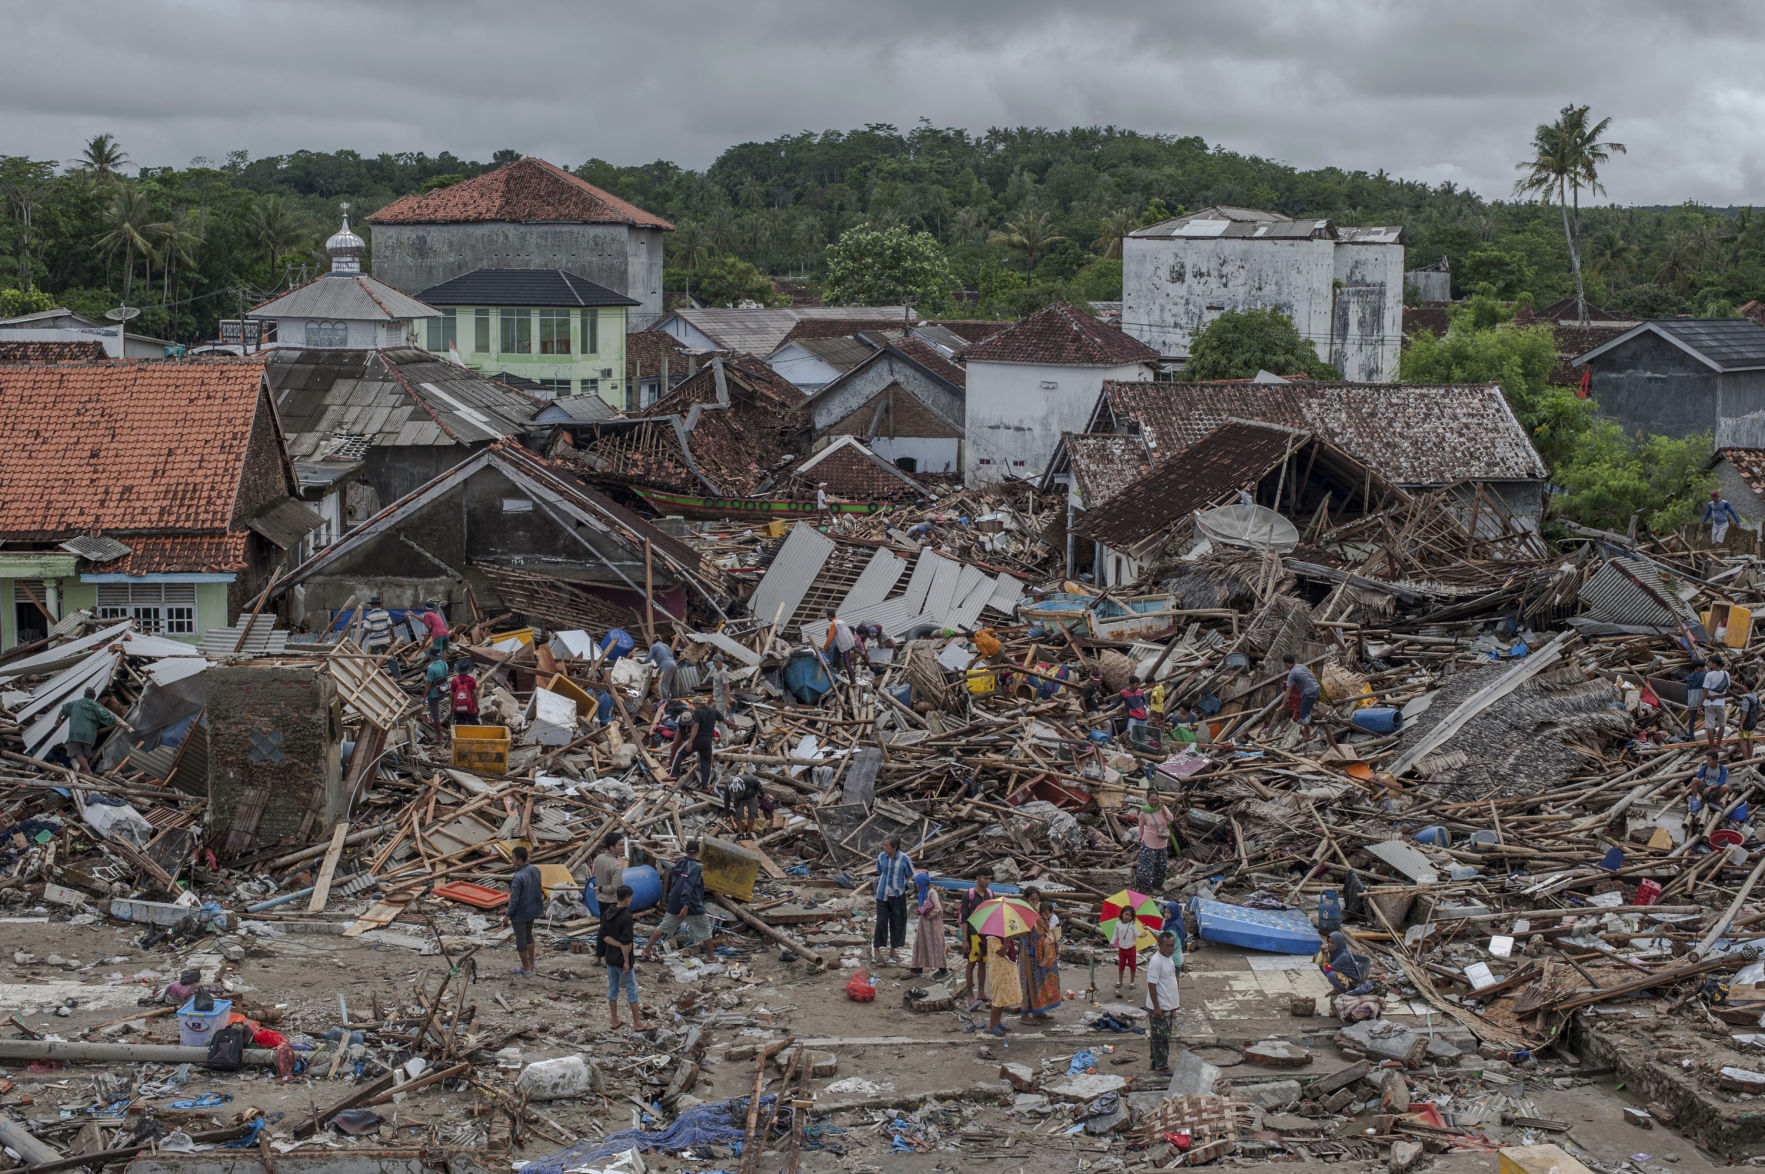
x=1023 y=215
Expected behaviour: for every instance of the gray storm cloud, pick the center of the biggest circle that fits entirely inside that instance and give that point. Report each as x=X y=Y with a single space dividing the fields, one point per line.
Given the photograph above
x=1425 y=91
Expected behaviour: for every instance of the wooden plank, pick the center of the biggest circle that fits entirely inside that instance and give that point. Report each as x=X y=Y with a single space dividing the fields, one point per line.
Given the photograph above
x=322 y=888
x=381 y=915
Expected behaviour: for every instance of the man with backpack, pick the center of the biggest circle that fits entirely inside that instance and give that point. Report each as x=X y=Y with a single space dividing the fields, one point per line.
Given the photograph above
x=741 y=800
x=686 y=905
x=462 y=691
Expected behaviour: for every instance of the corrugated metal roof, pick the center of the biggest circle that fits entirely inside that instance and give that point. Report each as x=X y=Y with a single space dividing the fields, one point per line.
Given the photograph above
x=878 y=579
x=727 y=645
x=1613 y=594
x=793 y=570
x=96 y=549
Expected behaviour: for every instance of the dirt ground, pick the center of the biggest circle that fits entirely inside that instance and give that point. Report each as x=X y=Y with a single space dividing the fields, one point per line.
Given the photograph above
x=98 y=972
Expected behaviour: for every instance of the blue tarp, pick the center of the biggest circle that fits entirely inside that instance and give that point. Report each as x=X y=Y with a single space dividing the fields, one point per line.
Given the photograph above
x=712 y=1123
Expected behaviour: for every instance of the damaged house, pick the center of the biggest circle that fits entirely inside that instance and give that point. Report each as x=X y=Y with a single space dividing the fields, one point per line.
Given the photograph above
x=161 y=492
x=504 y=530
x=1461 y=441
x=706 y=449
x=905 y=402
x=1293 y=474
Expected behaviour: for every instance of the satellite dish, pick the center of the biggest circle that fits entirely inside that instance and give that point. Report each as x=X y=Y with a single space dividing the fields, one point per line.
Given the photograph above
x=1249 y=525
x=122 y=313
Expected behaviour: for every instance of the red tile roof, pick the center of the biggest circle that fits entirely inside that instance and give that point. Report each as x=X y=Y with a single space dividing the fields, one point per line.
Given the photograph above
x=1064 y=335
x=973 y=329
x=645 y=350
x=1750 y=464
x=119 y=447
x=525 y=191
x=50 y=352
x=203 y=556
x=932 y=359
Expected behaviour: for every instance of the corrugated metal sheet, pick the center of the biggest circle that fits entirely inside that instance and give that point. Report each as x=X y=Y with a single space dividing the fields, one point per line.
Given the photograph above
x=1614 y=595
x=805 y=551
x=893 y=616
x=1007 y=591
x=920 y=581
x=878 y=579
x=943 y=585
x=264 y=638
x=729 y=647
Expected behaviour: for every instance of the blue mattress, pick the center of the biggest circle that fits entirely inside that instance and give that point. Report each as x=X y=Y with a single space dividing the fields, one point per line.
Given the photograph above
x=1279 y=931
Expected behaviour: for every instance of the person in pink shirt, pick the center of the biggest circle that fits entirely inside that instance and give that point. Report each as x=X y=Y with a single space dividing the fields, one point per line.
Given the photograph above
x=1154 y=828
x=438 y=633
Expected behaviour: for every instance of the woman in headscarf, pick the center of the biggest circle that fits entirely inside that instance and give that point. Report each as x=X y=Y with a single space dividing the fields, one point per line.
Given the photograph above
x=1345 y=970
x=928 y=935
x=1038 y=957
x=1002 y=984
x=1153 y=826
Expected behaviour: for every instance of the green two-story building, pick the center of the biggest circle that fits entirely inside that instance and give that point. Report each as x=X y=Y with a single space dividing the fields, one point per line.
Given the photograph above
x=564 y=332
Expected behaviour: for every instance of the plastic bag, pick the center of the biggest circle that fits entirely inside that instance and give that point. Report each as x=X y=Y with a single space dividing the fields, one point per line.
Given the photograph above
x=859 y=988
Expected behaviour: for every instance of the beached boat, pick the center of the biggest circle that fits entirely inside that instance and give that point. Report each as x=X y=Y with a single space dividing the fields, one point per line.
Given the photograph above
x=1103 y=618
x=764 y=509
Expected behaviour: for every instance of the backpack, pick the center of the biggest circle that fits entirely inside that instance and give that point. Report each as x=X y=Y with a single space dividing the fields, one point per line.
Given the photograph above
x=226 y=1051
x=1137 y=706
x=465 y=698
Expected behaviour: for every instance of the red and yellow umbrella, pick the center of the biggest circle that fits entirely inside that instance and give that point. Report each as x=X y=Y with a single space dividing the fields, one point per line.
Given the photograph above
x=1148 y=916
x=1004 y=917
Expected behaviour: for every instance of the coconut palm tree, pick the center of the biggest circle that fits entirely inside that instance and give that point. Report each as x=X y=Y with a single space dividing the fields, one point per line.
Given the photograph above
x=1029 y=232
x=103 y=157
x=1113 y=228
x=1566 y=157
x=968 y=226
x=132 y=230
x=1610 y=254
x=274 y=228
x=23 y=184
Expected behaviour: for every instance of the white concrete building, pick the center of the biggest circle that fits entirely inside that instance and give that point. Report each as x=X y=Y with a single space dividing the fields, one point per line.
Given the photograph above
x=1030 y=383
x=1342 y=287
x=345 y=309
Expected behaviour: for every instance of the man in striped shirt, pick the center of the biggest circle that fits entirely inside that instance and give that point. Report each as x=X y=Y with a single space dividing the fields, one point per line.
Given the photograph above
x=377 y=633
x=893 y=871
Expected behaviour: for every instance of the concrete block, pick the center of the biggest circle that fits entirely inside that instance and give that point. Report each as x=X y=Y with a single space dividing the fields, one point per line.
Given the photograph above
x=1404 y=1156
x=1191 y=1075
x=1277 y=1054
x=1638 y=1117
x=1270 y=1094
x=1020 y=1076
x=1394 y=1091
x=1339 y=1100
x=1341 y=1078
x=1386 y=1040
x=1303 y=1006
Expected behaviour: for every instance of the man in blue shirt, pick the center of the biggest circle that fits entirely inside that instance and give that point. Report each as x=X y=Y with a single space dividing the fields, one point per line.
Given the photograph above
x=1707 y=784
x=893 y=871
x=667 y=671
x=686 y=904
x=1718 y=514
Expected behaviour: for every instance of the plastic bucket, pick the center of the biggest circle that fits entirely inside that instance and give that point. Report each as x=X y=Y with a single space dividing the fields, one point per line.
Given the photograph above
x=1726 y=838
x=1377 y=719
x=646 y=890
x=197 y=1028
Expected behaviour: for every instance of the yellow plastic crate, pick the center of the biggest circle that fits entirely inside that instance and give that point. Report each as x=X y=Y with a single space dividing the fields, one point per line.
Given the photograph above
x=482 y=748
x=730 y=869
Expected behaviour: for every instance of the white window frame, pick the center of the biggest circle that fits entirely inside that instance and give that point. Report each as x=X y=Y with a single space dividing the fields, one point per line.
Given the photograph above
x=164 y=609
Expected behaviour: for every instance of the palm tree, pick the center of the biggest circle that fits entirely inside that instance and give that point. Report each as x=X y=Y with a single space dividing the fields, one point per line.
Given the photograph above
x=103 y=157
x=182 y=243
x=275 y=229
x=1566 y=157
x=1029 y=232
x=688 y=246
x=132 y=230
x=1113 y=228
x=968 y=226
x=1610 y=255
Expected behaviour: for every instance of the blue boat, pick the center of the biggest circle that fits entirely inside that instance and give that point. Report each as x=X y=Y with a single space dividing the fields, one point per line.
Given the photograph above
x=1279 y=931
x=806 y=677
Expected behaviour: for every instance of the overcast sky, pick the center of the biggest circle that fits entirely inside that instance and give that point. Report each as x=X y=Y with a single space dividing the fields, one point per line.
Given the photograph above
x=1428 y=90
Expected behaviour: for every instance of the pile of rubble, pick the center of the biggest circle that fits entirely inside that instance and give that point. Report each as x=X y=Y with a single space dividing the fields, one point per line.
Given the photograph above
x=1492 y=834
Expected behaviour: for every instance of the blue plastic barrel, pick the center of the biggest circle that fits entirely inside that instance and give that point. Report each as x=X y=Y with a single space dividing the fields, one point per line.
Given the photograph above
x=617 y=643
x=646 y=890
x=603 y=705
x=903 y=694
x=1437 y=836
x=1376 y=719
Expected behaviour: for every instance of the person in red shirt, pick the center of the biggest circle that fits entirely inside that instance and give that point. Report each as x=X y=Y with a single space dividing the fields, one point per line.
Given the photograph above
x=462 y=690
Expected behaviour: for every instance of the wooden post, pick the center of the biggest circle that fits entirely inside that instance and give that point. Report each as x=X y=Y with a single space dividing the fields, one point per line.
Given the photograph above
x=649 y=593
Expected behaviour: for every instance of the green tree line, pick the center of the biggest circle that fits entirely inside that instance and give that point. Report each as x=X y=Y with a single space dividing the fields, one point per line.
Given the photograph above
x=1021 y=215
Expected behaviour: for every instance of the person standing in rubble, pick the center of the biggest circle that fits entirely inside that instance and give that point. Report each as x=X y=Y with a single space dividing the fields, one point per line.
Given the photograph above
x=1717 y=515
x=462 y=690
x=702 y=722
x=741 y=801
x=686 y=905
x=1749 y=722
x=841 y=645
x=1162 y=1001
x=1153 y=829
x=719 y=675
x=609 y=866
x=1716 y=682
x=435 y=692
x=85 y=717
x=1303 y=694
x=526 y=904
x=376 y=627
x=1038 y=957
x=974 y=945
x=1137 y=710
x=893 y=872
x=929 y=952
x=667 y=671
x=1694 y=697
x=618 y=950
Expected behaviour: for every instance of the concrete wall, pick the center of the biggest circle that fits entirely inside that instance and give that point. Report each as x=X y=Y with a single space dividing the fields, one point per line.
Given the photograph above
x=1740 y=410
x=275 y=736
x=414 y=257
x=1367 y=328
x=1172 y=288
x=363 y=335
x=833 y=408
x=809 y=373
x=1015 y=413
x=1432 y=285
x=1650 y=385
x=392 y=471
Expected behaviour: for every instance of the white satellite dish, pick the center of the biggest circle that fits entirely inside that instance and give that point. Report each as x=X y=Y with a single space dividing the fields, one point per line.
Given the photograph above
x=122 y=313
x=1252 y=526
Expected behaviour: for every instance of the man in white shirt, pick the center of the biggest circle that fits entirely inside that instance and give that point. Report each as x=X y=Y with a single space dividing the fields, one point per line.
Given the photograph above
x=1161 y=1000
x=1716 y=682
x=841 y=643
